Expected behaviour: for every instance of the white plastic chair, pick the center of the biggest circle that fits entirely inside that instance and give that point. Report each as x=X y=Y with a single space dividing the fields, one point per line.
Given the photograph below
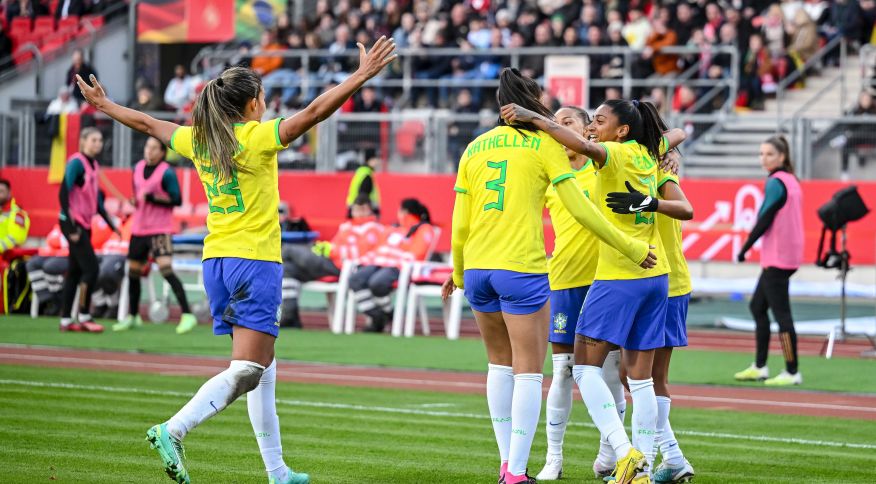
x=336 y=292
x=124 y=302
x=423 y=286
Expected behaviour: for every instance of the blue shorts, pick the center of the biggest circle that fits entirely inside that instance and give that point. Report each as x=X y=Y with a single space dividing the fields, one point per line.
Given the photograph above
x=628 y=313
x=676 y=321
x=493 y=290
x=244 y=292
x=566 y=306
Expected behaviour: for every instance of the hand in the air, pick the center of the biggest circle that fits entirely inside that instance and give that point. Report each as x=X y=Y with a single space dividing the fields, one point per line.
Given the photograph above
x=373 y=61
x=632 y=201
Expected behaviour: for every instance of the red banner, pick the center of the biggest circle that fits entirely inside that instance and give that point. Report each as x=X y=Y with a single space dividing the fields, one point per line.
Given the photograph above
x=725 y=210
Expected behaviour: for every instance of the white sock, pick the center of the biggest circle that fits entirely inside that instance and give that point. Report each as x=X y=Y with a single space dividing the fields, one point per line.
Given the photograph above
x=669 y=448
x=559 y=402
x=500 y=392
x=644 y=417
x=525 y=412
x=611 y=376
x=213 y=396
x=66 y=322
x=601 y=406
x=262 y=406
x=84 y=317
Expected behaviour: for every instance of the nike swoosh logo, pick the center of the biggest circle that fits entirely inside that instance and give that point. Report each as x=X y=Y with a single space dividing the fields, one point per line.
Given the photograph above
x=636 y=209
x=554 y=424
x=214 y=406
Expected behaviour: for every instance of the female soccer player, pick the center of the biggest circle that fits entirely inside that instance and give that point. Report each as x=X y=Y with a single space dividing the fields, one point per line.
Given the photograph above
x=626 y=306
x=81 y=198
x=156 y=192
x=570 y=273
x=673 y=467
x=780 y=223
x=498 y=258
x=236 y=158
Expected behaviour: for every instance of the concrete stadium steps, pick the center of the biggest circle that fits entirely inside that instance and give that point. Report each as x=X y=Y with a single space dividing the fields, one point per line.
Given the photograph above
x=733 y=151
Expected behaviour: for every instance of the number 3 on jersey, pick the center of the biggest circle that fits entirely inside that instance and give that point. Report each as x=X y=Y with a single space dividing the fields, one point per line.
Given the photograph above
x=497 y=185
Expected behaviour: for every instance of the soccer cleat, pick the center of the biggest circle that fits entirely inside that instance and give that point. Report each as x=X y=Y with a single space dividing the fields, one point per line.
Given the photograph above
x=784 y=379
x=502 y=470
x=289 y=477
x=553 y=468
x=72 y=327
x=125 y=324
x=171 y=451
x=509 y=478
x=91 y=327
x=629 y=468
x=641 y=478
x=187 y=322
x=601 y=470
x=753 y=373
x=665 y=473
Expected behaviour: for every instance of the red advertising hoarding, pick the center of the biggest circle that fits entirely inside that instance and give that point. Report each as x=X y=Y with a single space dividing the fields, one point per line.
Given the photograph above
x=725 y=210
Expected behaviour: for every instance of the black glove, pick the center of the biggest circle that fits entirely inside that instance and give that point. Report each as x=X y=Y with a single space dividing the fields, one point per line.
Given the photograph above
x=740 y=257
x=632 y=202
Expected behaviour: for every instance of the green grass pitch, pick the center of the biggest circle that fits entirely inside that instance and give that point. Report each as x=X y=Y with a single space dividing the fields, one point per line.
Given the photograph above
x=88 y=426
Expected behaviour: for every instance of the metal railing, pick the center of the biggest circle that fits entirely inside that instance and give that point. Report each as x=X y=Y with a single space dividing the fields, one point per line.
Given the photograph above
x=798 y=73
x=403 y=77
x=845 y=148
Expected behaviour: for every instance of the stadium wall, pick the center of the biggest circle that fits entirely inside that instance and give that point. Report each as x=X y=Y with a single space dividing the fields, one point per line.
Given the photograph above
x=725 y=209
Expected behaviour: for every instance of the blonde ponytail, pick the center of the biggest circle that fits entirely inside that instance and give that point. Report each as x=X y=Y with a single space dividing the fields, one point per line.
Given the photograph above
x=221 y=104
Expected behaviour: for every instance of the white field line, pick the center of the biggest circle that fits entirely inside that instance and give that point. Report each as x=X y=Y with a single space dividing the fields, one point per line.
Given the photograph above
x=324 y=374
x=430 y=413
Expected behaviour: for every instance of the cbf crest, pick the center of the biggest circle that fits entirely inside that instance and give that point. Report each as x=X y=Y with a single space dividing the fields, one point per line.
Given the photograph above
x=560 y=321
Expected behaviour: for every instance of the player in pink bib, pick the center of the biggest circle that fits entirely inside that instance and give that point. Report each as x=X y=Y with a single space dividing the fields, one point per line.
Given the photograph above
x=780 y=228
x=156 y=192
x=81 y=199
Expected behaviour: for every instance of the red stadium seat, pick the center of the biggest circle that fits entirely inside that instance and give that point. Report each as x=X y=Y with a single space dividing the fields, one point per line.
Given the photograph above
x=408 y=137
x=44 y=24
x=19 y=25
x=96 y=21
x=53 y=7
x=52 y=41
x=69 y=24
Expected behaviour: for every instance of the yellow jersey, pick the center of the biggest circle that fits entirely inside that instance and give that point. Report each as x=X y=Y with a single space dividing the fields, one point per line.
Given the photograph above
x=506 y=174
x=629 y=161
x=243 y=220
x=670 y=236
x=576 y=249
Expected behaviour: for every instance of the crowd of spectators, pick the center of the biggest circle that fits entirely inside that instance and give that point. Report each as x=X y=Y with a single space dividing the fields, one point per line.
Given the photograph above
x=773 y=38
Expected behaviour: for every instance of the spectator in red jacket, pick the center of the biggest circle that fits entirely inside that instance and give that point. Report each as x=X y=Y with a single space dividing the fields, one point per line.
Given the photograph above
x=408 y=241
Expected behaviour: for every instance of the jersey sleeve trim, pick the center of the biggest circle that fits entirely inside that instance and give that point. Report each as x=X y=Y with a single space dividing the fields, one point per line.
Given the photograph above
x=460 y=190
x=174 y=136
x=562 y=177
x=607 y=154
x=277 y=131
x=673 y=179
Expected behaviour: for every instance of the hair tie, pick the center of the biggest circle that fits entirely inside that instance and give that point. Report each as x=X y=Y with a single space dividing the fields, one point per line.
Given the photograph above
x=220 y=82
x=636 y=103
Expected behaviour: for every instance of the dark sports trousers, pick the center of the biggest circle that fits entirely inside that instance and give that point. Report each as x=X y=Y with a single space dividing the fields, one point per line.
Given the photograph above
x=82 y=267
x=772 y=293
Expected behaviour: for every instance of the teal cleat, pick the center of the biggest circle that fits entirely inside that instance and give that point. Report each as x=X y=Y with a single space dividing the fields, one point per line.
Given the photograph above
x=288 y=476
x=171 y=451
x=665 y=473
